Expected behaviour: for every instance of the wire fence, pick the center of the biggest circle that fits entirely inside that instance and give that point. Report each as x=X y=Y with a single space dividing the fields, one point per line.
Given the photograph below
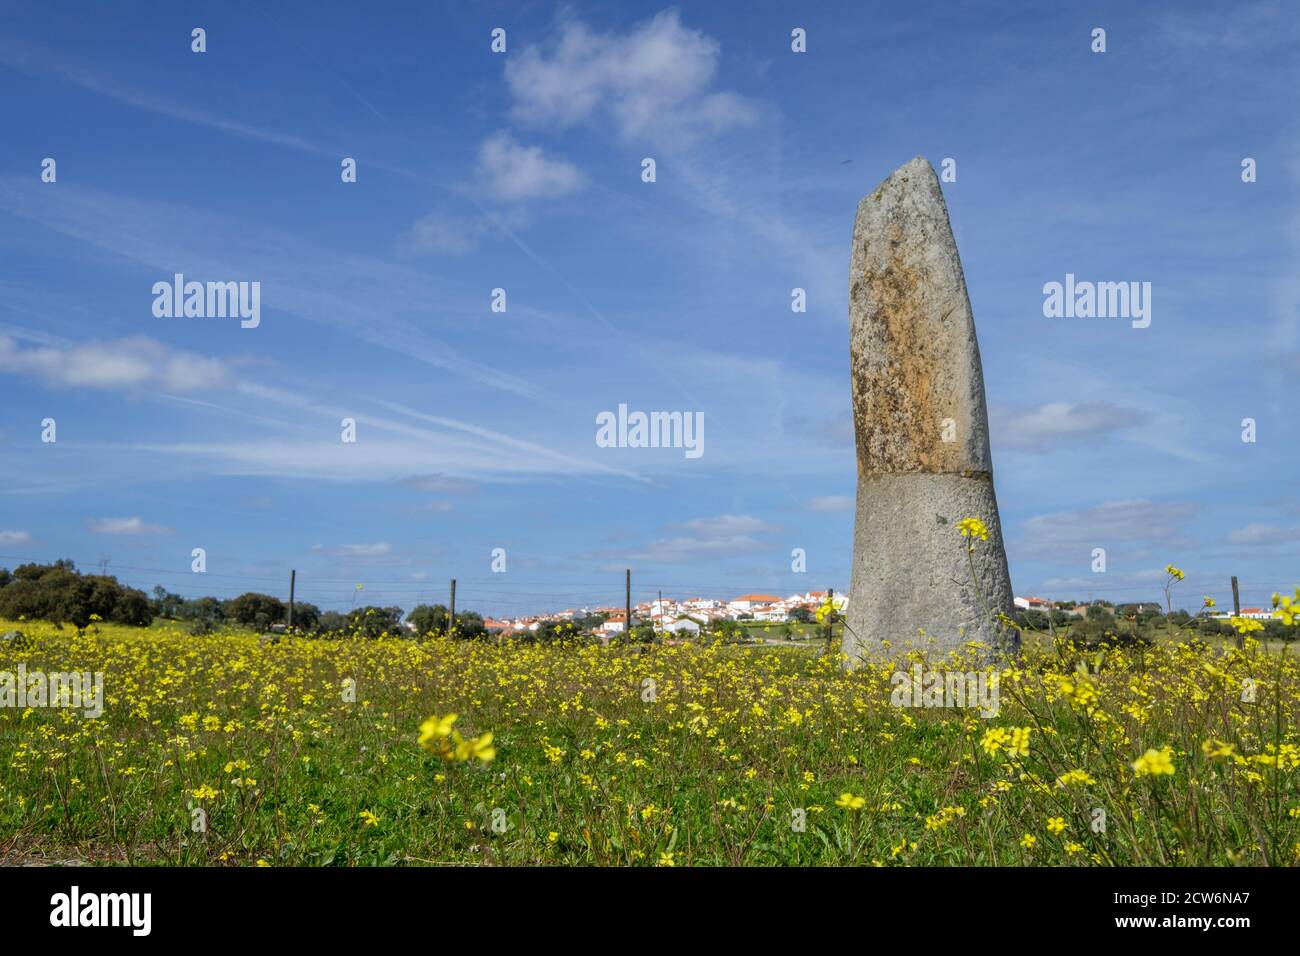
x=492 y=596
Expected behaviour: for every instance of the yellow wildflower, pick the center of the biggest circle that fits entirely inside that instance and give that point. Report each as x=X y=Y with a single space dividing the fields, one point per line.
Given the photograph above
x=1154 y=762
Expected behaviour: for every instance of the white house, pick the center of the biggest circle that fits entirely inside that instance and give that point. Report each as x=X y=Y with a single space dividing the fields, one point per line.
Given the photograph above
x=662 y=607
x=703 y=604
x=1250 y=613
x=615 y=624
x=748 y=602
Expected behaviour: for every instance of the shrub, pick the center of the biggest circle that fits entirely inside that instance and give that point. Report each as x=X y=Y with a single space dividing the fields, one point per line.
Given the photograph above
x=255 y=610
x=58 y=592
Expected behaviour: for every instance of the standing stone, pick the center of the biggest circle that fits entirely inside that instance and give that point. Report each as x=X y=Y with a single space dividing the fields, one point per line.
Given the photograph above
x=922 y=432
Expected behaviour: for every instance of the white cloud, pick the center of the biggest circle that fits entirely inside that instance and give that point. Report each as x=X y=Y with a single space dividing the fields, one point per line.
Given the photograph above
x=136 y=362
x=1106 y=525
x=1059 y=422
x=717 y=537
x=513 y=172
x=378 y=549
x=432 y=507
x=438 y=233
x=37 y=59
x=1144 y=584
x=394 y=449
x=311 y=281
x=830 y=503
x=14 y=537
x=128 y=526
x=653 y=80
x=442 y=235
x=728 y=524
x=1265 y=534
x=439 y=483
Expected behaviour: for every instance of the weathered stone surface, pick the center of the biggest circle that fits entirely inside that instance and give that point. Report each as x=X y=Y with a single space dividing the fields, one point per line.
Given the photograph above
x=922 y=430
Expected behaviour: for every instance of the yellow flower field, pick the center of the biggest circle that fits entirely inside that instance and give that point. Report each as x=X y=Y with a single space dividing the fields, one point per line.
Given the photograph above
x=228 y=750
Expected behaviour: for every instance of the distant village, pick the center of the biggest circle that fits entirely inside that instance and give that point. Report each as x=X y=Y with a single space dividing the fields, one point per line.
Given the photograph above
x=700 y=614
x=685 y=618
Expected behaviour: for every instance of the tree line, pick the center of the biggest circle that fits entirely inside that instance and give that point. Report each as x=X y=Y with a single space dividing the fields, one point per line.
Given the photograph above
x=61 y=594
x=1136 y=622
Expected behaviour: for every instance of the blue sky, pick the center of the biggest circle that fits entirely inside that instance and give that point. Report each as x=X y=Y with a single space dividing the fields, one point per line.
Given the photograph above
x=522 y=171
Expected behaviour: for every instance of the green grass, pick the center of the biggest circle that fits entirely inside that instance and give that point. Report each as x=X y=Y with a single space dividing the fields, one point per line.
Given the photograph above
x=738 y=757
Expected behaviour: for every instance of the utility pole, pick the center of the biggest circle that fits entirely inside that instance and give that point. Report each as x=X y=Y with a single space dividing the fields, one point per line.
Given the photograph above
x=1236 y=608
x=451 y=617
x=627 y=604
x=293 y=578
x=830 y=620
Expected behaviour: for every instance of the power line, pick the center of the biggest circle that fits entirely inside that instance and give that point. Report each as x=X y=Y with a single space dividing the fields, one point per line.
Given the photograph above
x=592 y=587
x=492 y=590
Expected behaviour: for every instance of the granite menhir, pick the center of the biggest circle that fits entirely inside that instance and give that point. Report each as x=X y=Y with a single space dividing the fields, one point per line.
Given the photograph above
x=922 y=432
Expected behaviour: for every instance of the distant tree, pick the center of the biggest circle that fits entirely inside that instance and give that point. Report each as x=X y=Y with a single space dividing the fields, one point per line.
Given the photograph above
x=549 y=631
x=1098 y=612
x=373 y=622
x=205 y=609
x=165 y=604
x=1105 y=631
x=34 y=572
x=306 y=617
x=1144 y=613
x=1278 y=631
x=428 y=619
x=470 y=626
x=131 y=607
x=58 y=592
x=728 y=630
x=1033 y=619
x=432 y=619
x=643 y=633
x=332 y=622
x=204 y=614
x=255 y=610
x=801 y=615
x=590 y=622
